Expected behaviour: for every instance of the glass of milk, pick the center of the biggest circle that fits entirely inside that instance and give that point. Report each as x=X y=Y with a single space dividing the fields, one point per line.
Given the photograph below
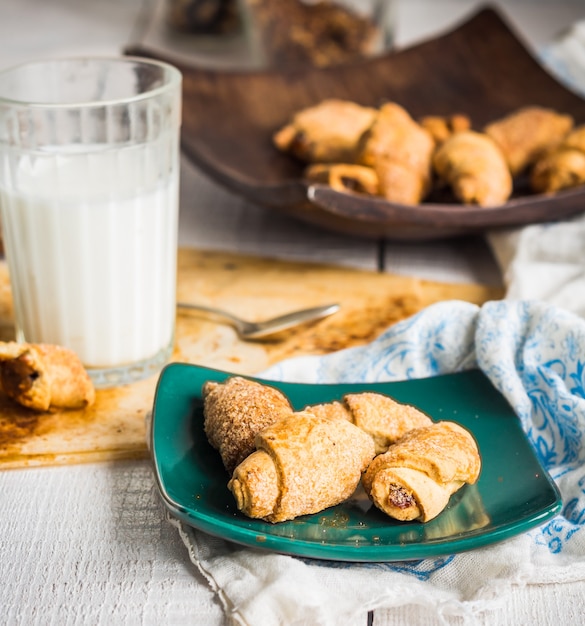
x=89 y=175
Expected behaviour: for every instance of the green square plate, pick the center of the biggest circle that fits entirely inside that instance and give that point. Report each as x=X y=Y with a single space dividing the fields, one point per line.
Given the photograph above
x=514 y=492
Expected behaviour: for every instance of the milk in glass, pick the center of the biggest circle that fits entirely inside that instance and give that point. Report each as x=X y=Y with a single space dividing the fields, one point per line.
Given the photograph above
x=91 y=241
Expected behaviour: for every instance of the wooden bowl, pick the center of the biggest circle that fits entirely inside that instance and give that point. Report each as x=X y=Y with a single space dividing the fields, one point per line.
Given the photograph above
x=480 y=68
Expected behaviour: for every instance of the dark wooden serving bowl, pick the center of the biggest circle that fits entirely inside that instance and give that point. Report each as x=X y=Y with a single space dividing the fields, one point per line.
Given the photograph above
x=480 y=68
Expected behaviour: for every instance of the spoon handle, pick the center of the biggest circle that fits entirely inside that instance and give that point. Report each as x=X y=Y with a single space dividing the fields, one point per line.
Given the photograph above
x=256 y=330
x=297 y=317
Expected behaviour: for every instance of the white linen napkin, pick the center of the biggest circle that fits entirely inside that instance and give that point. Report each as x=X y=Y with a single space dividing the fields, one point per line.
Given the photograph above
x=544 y=262
x=534 y=354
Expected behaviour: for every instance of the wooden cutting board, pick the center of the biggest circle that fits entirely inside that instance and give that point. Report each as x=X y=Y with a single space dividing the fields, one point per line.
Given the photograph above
x=254 y=288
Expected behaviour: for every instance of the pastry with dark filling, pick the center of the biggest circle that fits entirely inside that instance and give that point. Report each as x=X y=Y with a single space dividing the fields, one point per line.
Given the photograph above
x=44 y=377
x=416 y=477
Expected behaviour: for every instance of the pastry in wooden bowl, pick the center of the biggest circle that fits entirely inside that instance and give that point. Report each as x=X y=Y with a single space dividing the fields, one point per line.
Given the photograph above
x=475 y=168
x=563 y=167
x=527 y=133
x=400 y=150
x=415 y=478
x=328 y=132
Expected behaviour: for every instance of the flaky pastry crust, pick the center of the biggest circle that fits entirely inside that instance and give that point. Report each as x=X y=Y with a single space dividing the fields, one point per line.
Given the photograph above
x=417 y=475
x=303 y=465
x=44 y=376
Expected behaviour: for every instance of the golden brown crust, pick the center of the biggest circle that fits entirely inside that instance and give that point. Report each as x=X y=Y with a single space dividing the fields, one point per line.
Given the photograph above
x=318 y=463
x=445 y=451
x=255 y=485
x=416 y=476
x=44 y=377
x=328 y=132
x=472 y=164
x=383 y=418
x=442 y=127
x=524 y=135
x=330 y=410
x=575 y=139
x=345 y=177
x=378 y=415
x=399 y=150
x=235 y=410
x=563 y=167
x=399 y=183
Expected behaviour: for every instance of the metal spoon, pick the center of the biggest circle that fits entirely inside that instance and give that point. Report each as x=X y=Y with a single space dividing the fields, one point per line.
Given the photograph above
x=257 y=330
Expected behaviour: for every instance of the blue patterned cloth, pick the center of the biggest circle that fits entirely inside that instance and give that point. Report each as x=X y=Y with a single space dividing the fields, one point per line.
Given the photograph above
x=532 y=352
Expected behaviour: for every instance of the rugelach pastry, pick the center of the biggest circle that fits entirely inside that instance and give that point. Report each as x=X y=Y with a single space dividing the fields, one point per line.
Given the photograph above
x=563 y=167
x=528 y=133
x=44 y=376
x=345 y=177
x=382 y=417
x=235 y=410
x=415 y=478
x=474 y=167
x=328 y=132
x=443 y=127
x=303 y=464
x=400 y=151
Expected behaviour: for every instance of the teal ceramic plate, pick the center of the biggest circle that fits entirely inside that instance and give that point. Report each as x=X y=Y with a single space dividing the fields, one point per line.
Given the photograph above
x=514 y=492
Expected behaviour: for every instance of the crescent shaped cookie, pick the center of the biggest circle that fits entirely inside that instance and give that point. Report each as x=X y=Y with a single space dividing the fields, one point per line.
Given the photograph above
x=44 y=376
x=475 y=168
x=382 y=417
x=235 y=410
x=415 y=478
x=303 y=464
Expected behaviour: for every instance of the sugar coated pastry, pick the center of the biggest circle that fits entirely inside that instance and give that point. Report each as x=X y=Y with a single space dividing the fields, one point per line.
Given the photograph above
x=415 y=477
x=235 y=410
x=382 y=417
x=327 y=132
x=399 y=150
x=474 y=167
x=303 y=464
x=562 y=167
x=44 y=376
x=524 y=135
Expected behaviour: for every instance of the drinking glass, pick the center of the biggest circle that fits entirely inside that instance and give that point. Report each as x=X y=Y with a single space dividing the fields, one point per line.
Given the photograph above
x=89 y=176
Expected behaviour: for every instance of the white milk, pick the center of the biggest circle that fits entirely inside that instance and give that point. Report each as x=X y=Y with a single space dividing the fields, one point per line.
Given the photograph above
x=92 y=251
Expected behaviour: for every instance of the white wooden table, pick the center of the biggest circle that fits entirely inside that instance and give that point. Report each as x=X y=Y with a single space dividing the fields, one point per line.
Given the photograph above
x=88 y=544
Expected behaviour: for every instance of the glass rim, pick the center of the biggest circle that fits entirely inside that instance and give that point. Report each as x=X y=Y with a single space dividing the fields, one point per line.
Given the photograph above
x=173 y=73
